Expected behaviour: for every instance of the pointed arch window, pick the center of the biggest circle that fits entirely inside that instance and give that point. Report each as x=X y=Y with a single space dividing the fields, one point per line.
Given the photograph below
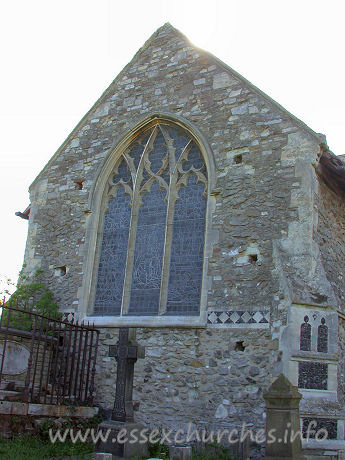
x=151 y=245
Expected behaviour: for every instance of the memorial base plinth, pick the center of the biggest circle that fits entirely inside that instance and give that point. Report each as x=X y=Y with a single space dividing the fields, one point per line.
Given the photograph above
x=296 y=457
x=122 y=439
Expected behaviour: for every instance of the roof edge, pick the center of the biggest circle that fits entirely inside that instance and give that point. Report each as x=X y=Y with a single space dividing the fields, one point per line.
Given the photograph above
x=320 y=138
x=331 y=169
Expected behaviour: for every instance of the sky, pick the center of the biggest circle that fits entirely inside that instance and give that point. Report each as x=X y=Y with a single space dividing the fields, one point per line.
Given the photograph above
x=59 y=56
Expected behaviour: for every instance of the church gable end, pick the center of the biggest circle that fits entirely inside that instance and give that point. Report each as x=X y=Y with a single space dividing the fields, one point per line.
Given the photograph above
x=185 y=204
x=246 y=134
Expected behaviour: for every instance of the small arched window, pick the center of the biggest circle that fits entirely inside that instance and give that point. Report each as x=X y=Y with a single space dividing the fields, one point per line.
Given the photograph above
x=151 y=241
x=322 y=337
x=305 y=337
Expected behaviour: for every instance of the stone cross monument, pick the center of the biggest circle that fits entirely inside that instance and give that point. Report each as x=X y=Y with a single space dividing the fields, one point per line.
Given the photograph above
x=126 y=352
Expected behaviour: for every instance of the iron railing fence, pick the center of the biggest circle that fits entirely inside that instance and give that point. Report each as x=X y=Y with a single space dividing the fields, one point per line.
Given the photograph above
x=60 y=361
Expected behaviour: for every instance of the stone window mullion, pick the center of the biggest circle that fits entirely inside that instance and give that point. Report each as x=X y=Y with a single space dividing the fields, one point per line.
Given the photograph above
x=167 y=247
x=136 y=203
x=172 y=196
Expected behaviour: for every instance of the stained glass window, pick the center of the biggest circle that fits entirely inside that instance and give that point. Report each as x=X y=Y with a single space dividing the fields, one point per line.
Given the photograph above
x=152 y=240
x=322 y=337
x=305 y=337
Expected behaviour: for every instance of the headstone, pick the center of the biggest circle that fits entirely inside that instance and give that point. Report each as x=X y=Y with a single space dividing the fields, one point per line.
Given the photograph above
x=122 y=428
x=282 y=420
x=16 y=358
x=180 y=452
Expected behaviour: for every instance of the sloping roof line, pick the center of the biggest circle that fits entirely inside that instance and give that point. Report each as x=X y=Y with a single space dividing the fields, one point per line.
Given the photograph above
x=320 y=138
x=331 y=169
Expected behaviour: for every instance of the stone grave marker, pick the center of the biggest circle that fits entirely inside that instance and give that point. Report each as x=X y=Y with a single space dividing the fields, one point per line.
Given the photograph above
x=16 y=358
x=282 y=416
x=126 y=352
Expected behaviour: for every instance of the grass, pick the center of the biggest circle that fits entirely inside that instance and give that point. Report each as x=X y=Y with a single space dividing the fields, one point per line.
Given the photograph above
x=29 y=447
x=33 y=448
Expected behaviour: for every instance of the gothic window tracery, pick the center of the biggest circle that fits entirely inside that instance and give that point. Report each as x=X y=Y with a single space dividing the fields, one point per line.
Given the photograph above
x=151 y=252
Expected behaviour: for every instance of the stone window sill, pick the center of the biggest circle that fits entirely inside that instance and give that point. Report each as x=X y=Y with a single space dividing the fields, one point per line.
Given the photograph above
x=312 y=394
x=314 y=356
x=147 y=321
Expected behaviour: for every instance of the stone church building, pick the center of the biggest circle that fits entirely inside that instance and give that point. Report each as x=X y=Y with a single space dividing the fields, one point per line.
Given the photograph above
x=190 y=205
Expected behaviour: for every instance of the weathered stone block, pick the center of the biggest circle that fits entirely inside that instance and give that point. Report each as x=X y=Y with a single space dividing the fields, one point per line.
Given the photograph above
x=122 y=439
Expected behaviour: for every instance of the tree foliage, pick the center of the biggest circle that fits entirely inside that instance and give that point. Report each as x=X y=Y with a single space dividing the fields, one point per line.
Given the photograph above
x=30 y=295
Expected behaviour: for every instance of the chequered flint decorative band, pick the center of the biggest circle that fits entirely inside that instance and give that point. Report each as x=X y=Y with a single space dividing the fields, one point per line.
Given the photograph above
x=238 y=317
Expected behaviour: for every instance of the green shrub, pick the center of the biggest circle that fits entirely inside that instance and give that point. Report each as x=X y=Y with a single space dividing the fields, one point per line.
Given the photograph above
x=158 y=450
x=213 y=451
x=33 y=296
